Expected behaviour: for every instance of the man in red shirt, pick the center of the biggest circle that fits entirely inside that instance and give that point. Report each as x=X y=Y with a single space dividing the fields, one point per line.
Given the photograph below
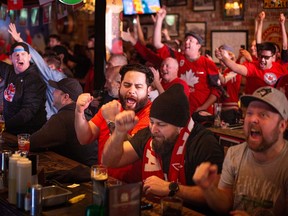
x=133 y=95
x=263 y=72
x=168 y=71
x=200 y=73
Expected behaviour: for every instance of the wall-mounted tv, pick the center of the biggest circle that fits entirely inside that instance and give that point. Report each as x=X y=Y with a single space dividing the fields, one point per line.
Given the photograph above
x=133 y=7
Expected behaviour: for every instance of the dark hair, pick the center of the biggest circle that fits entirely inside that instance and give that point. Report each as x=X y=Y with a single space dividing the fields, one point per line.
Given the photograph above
x=57 y=37
x=267 y=46
x=52 y=58
x=139 y=68
x=59 y=49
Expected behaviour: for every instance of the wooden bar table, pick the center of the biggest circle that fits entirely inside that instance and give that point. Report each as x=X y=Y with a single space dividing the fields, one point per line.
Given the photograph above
x=52 y=162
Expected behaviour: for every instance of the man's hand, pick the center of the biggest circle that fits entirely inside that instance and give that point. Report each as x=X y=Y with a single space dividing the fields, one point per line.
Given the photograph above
x=245 y=54
x=128 y=37
x=13 y=31
x=125 y=121
x=282 y=18
x=161 y=14
x=155 y=185
x=261 y=16
x=156 y=75
x=221 y=53
x=205 y=175
x=110 y=110
x=83 y=102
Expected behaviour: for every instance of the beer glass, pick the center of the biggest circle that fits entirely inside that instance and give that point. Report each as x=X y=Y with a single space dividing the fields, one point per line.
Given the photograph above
x=99 y=176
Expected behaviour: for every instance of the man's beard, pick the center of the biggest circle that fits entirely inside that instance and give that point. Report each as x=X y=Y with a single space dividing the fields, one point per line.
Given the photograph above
x=140 y=103
x=164 y=147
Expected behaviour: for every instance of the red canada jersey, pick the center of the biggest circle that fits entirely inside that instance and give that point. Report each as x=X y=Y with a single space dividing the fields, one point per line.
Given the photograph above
x=232 y=88
x=130 y=173
x=201 y=76
x=257 y=78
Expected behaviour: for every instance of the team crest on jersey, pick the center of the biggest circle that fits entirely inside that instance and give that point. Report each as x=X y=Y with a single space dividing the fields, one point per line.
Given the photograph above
x=9 y=92
x=190 y=78
x=181 y=63
x=270 y=78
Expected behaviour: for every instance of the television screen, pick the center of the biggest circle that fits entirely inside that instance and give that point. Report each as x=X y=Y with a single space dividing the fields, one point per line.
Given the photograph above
x=132 y=7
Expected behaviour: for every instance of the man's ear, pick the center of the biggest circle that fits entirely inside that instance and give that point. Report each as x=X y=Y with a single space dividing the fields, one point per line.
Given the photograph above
x=150 y=89
x=283 y=125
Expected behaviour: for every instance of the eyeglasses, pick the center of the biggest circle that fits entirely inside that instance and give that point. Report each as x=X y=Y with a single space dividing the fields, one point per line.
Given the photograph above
x=265 y=57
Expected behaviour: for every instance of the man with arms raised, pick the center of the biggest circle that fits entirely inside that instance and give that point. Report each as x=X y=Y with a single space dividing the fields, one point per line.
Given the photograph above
x=24 y=92
x=133 y=95
x=255 y=174
x=170 y=148
x=200 y=73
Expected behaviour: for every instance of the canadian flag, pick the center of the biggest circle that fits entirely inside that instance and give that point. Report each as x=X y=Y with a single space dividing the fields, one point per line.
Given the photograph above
x=15 y=4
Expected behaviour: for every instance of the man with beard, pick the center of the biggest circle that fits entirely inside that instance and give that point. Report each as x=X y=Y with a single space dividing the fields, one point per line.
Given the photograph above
x=170 y=148
x=133 y=95
x=24 y=92
x=263 y=72
x=255 y=174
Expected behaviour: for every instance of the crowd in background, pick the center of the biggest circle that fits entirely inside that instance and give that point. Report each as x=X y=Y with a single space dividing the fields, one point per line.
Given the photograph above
x=163 y=81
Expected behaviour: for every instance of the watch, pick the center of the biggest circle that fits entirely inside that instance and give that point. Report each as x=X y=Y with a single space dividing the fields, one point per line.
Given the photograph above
x=111 y=126
x=173 y=187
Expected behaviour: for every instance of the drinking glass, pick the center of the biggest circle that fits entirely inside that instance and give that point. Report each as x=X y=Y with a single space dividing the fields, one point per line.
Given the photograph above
x=99 y=175
x=23 y=142
x=2 y=127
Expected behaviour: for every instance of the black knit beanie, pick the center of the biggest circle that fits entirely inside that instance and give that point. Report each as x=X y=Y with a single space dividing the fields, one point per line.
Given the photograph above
x=172 y=106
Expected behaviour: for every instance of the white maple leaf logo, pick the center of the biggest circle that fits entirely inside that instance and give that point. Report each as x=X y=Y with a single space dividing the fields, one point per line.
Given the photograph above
x=190 y=78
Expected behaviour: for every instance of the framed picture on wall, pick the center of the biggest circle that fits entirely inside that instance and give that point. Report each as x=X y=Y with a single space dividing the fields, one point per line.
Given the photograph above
x=235 y=39
x=171 y=3
x=275 y=4
x=203 y=5
x=198 y=27
x=171 y=23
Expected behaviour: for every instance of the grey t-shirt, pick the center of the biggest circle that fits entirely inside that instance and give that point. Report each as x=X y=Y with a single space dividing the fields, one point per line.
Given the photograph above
x=259 y=188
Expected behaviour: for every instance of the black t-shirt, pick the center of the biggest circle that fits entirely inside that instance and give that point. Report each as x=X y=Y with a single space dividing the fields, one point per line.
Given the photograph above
x=201 y=146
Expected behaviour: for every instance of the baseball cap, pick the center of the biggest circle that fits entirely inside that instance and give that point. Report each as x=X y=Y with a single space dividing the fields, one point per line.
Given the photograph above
x=70 y=86
x=271 y=96
x=195 y=35
x=14 y=49
x=226 y=47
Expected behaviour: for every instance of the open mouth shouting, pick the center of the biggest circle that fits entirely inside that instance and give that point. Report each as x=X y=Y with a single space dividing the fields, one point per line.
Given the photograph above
x=254 y=134
x=131 y=102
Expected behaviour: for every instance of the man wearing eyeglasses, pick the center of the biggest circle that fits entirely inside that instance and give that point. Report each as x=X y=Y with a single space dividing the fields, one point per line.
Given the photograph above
x=263 y=72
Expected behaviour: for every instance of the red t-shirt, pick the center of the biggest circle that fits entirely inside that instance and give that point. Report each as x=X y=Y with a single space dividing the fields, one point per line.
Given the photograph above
x=257 y=78
x=130 y=173
x=232 y=88
x=201 y=76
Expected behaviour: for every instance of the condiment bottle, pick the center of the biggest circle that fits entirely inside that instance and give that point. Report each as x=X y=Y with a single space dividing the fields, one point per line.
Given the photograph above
x=22 y=180
x=12 y=178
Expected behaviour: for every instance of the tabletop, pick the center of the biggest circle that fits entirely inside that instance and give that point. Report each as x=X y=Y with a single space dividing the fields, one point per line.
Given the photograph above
x=50 y=163
x=236 y=133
